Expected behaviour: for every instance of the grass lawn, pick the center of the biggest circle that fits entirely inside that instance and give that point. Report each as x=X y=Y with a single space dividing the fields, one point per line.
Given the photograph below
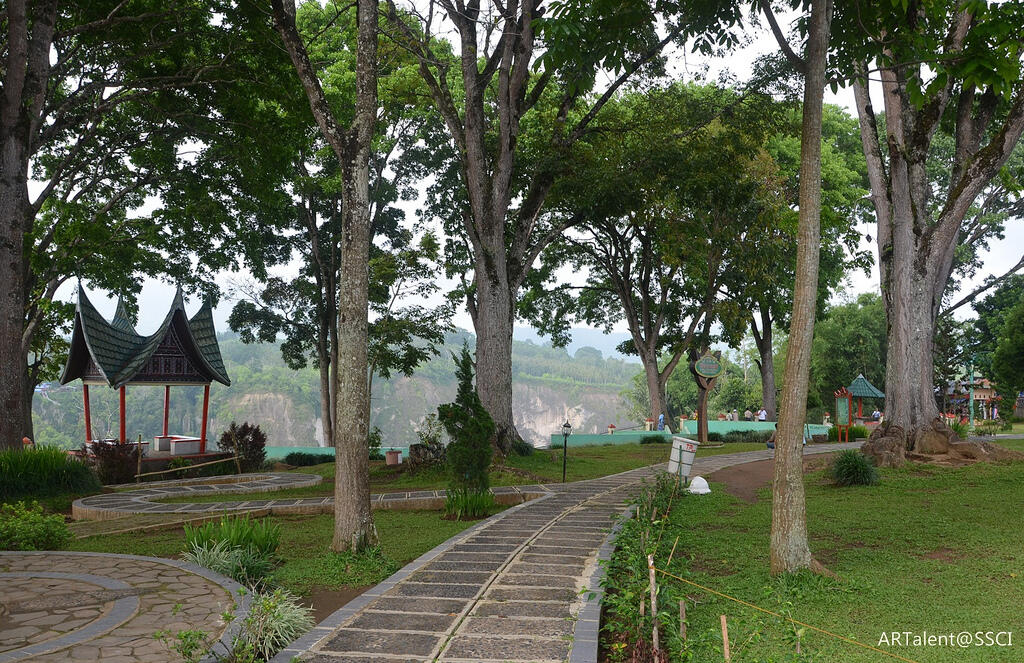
x=543 y=466
x=929 y=549
x=307 y=562
x=1012 y=443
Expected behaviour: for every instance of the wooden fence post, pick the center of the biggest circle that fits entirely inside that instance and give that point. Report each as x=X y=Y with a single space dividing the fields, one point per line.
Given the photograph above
x=725 y=639
x=654 y=603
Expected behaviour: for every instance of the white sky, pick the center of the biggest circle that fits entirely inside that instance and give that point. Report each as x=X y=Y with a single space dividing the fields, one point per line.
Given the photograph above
x=156 y=295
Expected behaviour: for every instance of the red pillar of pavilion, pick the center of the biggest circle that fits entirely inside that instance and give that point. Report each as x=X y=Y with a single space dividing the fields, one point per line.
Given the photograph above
x=167 y=405
x=88 y=418
x=124 y=436
x=206 y=409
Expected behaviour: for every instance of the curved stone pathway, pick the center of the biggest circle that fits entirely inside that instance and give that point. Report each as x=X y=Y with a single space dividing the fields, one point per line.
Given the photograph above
x=509 y=589
x=74 y=606
x=107 y=506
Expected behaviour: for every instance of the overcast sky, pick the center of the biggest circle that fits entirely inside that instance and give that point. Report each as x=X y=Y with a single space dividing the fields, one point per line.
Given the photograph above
x=156 y=296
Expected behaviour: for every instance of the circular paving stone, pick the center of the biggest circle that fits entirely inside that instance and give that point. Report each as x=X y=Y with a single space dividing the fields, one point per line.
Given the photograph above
x=59 y=606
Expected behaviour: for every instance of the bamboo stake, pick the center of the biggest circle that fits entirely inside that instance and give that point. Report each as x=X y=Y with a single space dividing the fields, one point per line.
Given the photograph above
x=654 y=603
x=725 y=639
x=138 y=462
x=188 y=467
x=682 y=620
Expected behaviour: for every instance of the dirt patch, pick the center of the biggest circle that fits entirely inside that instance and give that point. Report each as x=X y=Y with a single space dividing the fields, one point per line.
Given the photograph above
x=325 y=601
x=743 y=481
x=944 y=555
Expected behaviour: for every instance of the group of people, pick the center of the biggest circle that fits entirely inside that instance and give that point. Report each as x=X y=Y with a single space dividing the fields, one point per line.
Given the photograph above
x=760 y=415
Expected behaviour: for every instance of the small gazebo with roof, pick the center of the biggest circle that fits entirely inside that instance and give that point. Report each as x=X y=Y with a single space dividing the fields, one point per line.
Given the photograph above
x=862 y=389
x=182 y=351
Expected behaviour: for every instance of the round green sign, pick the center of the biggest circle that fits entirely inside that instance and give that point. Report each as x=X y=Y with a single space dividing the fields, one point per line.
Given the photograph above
x=709 y=367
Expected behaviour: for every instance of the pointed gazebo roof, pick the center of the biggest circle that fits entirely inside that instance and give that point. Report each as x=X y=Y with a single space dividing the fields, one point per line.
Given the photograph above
x=861 y=388
x=180 y=351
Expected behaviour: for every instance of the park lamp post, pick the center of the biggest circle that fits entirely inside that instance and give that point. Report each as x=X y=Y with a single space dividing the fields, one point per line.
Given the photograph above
x=566 y=431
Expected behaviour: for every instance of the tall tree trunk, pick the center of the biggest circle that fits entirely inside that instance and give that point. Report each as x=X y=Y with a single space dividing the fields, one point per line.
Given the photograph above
x=326 y=407
x=493 y=320
x=766 y=363
x=656 y=387
x=353 y=521
x=13 y=370
x=789 y=550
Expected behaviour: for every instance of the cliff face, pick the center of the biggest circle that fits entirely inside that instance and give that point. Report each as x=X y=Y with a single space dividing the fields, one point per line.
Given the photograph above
x=549 y=387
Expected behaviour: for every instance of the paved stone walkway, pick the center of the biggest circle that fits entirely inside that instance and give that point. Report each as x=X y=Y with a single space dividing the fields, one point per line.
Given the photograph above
x=510 y=589
x=119 y=504
x=85 y=607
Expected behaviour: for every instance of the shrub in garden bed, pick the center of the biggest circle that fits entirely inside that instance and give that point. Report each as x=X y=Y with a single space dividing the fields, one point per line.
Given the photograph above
x=44 y=472
x=275 y=619
x=852 y=468
x=24 y=526
x=246 y=441
x=305 y=459
x=114 y=463
x=657 y=439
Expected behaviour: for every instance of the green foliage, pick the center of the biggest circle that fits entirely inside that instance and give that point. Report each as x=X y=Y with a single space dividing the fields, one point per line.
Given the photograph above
x=852 y=468
x=246 y=441
x=275 y=619
x=192 y=645
x=715 y=437
x=521 y=447
x=993 y=426
x=430 y=434
x=114 y=463
x=849 y=341
x=181 y=464
x=373 y=440
x=961 y=428
x=24 y=526
x=1008 y=359
x=470 y=429
x=41 y=471
x=263 y=536
x=303 y=459
x=855 y=431
x=746 y=437
x=242 y=564
x=657 y=439
x=462 y=504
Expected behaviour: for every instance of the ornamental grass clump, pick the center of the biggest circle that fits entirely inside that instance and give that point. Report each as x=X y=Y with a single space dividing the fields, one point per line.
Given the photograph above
x=470 y=429
x=41 y=471
x=240 y=548
x=852 y=468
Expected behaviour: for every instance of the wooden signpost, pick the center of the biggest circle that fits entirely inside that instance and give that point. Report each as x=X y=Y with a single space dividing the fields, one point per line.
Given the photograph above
x=844 y=413
x=706 y=370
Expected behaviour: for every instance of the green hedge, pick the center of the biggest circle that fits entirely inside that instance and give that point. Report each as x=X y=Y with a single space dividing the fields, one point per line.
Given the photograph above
x=41 y=471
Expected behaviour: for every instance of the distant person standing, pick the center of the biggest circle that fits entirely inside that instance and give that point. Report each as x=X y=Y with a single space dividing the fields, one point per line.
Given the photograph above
x=762 y=414
x=748 y=415
x=735 y=414
x=661 y=421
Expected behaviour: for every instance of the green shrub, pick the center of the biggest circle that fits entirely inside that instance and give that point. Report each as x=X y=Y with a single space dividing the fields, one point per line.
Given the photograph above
x=655 y=439
x=304 y=459
x=246 y=441
x=992 y=426
x=859 y=431
x=833 y=434
x=25 y=527
x=373 y=440
x=961 y=429
x=521 y=447
x=470 y=429
x=181 y=464
x=275 y=619
x=114 y=463
x=42 y=471
x=263 y=536
x=852 y=468
x=460 y=504
x=715 y=437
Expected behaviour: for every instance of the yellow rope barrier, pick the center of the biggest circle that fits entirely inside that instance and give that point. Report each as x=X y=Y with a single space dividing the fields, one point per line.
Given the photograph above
x=790 y=619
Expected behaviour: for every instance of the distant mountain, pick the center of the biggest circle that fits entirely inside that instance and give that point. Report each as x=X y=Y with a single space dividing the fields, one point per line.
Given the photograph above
x=549 y=384
x=582 y=337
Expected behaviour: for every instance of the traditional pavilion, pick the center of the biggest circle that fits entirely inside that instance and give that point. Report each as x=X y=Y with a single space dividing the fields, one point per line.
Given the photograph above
x=861 y=389
x=182 y=351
